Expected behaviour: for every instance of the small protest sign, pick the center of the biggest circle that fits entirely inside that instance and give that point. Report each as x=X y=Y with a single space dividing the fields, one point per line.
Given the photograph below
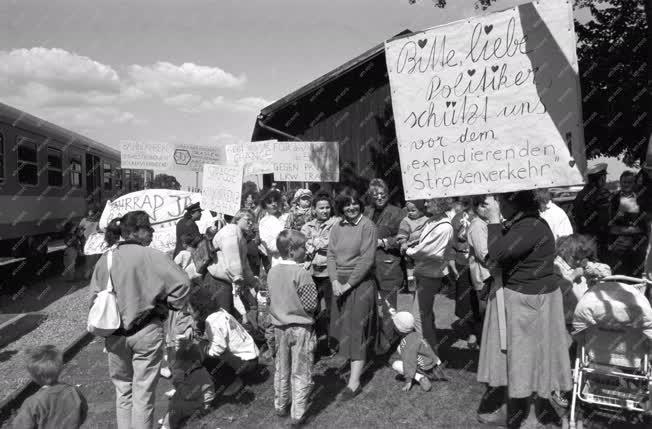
x=146 y=155
x=192 y=157
x=256 y=157
x=306 y=161
x=489 y=104
x=222 y=188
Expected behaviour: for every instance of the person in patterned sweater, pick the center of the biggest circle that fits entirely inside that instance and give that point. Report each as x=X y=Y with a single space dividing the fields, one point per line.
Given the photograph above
x=293 y=306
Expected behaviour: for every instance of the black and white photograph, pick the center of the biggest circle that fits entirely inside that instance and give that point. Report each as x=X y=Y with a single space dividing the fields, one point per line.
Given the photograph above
x=354 y=214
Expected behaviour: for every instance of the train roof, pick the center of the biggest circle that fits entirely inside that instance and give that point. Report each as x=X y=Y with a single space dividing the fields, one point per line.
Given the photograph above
x=23 y=119
x=329 y=77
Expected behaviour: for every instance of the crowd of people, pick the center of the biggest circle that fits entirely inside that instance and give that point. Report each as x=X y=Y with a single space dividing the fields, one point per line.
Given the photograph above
x=296 y=277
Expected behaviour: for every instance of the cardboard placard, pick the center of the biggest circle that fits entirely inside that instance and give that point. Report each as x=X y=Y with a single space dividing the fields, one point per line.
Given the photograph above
x=489 y=104
x=192 y=157
x=256 y=157
x=146 y=155
x=222 y=188
x=306 y=161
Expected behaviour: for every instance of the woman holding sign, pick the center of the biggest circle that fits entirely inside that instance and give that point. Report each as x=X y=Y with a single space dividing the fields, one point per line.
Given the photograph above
x=537 y=354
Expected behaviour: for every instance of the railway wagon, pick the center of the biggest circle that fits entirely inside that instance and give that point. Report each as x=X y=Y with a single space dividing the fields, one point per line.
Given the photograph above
x=351 y=105
x=48 y=176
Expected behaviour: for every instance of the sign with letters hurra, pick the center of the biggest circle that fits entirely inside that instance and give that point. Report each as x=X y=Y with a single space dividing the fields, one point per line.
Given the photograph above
x=489 y=104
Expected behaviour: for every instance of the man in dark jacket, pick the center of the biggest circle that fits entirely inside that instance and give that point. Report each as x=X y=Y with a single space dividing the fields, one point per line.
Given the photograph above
x=188 y=225
x=591 y=208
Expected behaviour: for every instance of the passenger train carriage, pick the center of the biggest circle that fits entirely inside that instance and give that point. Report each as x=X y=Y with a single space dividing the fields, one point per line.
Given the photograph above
x=50 y=175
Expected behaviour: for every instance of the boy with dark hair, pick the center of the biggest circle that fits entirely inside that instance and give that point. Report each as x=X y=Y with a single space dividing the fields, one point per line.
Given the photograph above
x=293 y=305
x=55 y=405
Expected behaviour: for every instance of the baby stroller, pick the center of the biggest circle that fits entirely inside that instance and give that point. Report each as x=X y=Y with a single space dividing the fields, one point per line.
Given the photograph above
x=613 y=326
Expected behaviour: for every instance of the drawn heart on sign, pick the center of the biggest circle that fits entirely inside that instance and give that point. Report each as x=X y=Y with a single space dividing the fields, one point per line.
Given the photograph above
x=494 y=68
x=448 y=103
x=453 y=103
x=422 y=42
x=488 y=28
x=571 y=163
x=471 y=72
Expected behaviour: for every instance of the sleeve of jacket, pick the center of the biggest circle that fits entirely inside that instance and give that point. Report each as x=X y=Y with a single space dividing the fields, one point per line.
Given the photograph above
x=174 y=282
x=367 y=254
x=99 y=278
x=25 y=418
x=393 y=225
x=307 y=231
x=217 y=333
x=331 y=265
x=307 y=292
x=478 y=236
x=403 y=231
x=409 y=356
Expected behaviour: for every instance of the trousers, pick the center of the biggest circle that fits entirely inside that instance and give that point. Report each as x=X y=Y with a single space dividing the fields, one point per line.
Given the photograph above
x=295 y=346
x=423 y=308
x=134 y=364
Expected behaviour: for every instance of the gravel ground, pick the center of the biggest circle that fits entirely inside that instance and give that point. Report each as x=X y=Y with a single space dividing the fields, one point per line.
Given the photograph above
x=66 y=320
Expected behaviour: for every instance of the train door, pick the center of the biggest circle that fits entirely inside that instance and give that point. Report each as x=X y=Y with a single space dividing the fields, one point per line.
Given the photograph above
x=93 y=179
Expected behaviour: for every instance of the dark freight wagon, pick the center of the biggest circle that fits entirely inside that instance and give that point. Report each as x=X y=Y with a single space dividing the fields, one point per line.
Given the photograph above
x=351 y=105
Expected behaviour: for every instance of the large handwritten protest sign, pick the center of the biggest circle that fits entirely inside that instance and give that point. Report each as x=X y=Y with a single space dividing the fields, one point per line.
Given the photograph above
x=146 y=155
x=489 y=104
x=164 y=206
x=306 y=161
x=256 y=157
x=222 y=188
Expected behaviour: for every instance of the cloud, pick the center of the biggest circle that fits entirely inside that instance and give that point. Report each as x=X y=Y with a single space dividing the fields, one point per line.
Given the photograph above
x=164 y=78
x=57 y=69
x=193 y=103
x=79 y=92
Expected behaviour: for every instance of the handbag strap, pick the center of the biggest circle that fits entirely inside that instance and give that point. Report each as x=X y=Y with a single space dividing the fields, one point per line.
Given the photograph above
x=109 y=263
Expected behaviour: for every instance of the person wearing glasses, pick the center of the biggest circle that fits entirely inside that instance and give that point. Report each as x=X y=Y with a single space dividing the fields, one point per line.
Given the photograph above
x=388 y=270
x=232 y=266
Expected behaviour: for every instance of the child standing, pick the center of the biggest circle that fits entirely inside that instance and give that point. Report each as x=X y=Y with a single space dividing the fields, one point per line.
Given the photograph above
x=418 y=361
x=72 y=241
x=293 y=304
x=55 y=405
x=409 y=231
x=179 y=322
x=184 y=257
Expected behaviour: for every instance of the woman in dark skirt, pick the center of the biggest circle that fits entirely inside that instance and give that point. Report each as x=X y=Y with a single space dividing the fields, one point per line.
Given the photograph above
x=351 y=252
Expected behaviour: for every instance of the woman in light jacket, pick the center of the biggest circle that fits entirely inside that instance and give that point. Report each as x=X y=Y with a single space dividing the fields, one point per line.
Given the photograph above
x=430 y=265
x=232 y=266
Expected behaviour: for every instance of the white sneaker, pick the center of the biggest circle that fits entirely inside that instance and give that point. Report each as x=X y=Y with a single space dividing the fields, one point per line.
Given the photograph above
x=170 y=393
x=165 y=372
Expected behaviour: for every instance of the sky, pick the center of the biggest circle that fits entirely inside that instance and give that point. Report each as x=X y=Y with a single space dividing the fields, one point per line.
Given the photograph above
x=186 y=71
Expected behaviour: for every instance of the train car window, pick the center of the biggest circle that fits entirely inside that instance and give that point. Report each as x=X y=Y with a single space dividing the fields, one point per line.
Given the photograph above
x=27 y=162
x=118 y=178
x=55 y=167
x=2 y=157
x=108 y=177
x=75 y=170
